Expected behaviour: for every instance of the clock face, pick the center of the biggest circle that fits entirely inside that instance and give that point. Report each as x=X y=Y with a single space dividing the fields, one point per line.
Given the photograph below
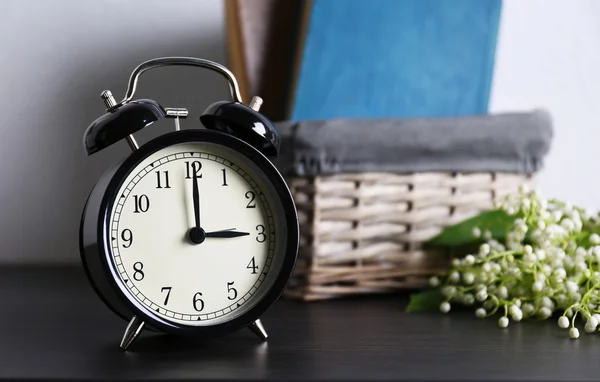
x=231 y=258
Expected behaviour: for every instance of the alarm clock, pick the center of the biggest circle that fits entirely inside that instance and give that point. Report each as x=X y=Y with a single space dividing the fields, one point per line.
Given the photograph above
x=195 y=233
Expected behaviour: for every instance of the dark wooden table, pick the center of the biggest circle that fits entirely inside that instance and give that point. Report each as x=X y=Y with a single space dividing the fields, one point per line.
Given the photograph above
x=53 y=326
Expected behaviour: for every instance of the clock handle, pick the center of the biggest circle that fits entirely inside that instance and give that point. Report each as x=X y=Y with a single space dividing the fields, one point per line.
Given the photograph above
x=181 y=61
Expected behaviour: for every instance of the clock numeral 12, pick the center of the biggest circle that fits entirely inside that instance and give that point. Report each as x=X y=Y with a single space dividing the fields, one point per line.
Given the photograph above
x=142 y=203
x=158 y=182
x=229 y=290
x=252 y=265
x=196 y=166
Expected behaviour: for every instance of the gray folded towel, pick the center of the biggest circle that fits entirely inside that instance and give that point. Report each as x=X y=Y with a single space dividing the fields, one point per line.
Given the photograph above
x=512 y=142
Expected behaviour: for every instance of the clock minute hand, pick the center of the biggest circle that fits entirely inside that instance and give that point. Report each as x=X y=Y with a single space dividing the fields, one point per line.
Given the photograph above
x=226 y=233
x=196 y=196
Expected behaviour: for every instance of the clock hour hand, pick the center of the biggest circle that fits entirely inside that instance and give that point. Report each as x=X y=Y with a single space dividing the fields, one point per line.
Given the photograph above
x=226 y=233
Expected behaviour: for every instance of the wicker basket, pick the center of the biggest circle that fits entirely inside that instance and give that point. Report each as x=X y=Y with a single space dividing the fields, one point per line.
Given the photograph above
x=362 y=232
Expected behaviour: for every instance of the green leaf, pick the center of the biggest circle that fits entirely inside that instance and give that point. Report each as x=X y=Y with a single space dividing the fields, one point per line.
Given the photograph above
x=425 y=301
x=497 y=222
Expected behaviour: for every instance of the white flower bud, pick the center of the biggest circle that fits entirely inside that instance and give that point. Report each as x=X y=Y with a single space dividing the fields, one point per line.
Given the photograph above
x=541 y=225
x=469 y=260
x=448 y=291
x=525 y=204
x=545 y=312
x=560 y=273
x=502 y=292
x=576 y=297
x=547 y=269
x=510 y=210
x=569 y=313
x=540 y=254
x=445 y=307
x=503 y=322
x=574 y=333
x=557 y=264
x=528 y=308
x=571 y=287
x=524 y=188
x=487 y=234
x=537 y=286
x=480 y=313
x=456 y=263
x=594 y=239
x=468 y=299
x=527 y=249
x=484 y=249
x=434 y=281
x=476 y=232
x=518 y=303
x=597 y=317
x=563 y=322
x=481 y=295
x=517 y=315
x=581 y=266
x=591 y=325
x=513 y=309
x=556 y=216
x=562 y=300
x=468 y=278
x=568 y=224
x=486 y=267
x=580 y=252
x=547 y=302
x=454 y=277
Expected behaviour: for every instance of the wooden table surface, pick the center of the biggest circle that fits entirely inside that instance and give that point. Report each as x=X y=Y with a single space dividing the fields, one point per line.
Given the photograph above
x=53 y=326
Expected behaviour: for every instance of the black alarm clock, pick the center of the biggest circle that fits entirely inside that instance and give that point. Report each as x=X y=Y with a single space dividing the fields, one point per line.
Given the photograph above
x=195 y=233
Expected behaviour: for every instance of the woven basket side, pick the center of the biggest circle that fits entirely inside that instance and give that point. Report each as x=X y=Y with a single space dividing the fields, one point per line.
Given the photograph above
x=363 y=233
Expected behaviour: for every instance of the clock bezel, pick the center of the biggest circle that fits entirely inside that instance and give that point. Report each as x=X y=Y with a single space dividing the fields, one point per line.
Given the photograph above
x=273 y=179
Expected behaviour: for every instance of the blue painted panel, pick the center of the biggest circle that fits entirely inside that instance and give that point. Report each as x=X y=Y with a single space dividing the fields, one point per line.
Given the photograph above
x=397 y=58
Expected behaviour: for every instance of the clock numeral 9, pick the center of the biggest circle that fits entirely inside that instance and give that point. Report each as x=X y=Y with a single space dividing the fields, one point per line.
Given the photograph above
x=127 y=237
x=261 y=237
x=195 y=166
x=198 y=301
x=252 y=265
x=250 y=195
x=229 y=290
x=138 y=274
x=142 y=203
x=158 y=179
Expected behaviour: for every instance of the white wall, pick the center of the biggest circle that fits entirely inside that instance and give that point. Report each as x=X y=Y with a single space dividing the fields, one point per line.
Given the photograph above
x=548 y=56
x=56 y=56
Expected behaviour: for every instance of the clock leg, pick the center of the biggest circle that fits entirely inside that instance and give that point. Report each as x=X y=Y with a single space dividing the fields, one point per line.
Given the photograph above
x=133 y=329
x=257 y=328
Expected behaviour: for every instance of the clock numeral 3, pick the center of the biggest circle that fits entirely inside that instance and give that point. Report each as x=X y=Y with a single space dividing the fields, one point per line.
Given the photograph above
x=195 y=166
x=198 y=302
x=252 y=265
x=158 y=179
x=138 y=274
x=250 y=195
x=168 y=289
x=261 y=237
x=142 y=203
x=224 y=177
x=229 y=290
x=127 y=237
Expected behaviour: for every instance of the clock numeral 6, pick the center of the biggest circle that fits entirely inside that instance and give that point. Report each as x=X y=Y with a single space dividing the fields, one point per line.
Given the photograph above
x=229 y=290
x=198 y=302
x=138 y=274
x=261 y=237
x=195 y=166
x=142 y=203
x=127 y=237
x=252 y=265
x=250 y=195
x=158 y=179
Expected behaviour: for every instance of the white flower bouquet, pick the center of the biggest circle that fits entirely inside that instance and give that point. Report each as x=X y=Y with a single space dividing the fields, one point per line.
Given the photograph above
x=530 y=258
